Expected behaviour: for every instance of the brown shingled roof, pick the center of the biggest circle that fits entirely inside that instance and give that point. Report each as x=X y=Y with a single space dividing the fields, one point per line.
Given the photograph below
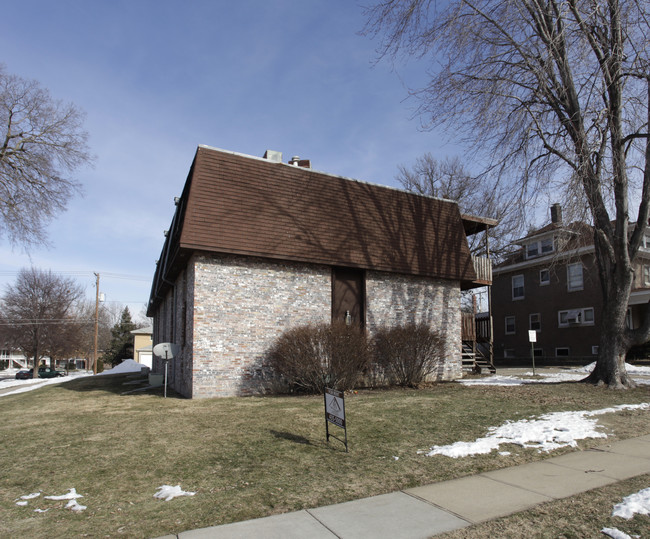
x=239 y=204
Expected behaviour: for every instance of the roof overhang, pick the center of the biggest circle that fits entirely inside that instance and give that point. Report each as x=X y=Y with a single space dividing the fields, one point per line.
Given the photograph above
x=474 y=224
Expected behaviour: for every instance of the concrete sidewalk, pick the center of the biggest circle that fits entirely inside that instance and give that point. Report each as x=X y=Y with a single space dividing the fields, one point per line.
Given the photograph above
x=429 y=510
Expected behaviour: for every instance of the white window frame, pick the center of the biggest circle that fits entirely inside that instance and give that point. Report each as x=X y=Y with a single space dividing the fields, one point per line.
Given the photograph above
x=539 y=322
x=576 y=317
x=594 y=350
x=535 y=249
x=574 y=287
x=547 y=281
x=646 y=275
x=523 y=289
x=514 y=325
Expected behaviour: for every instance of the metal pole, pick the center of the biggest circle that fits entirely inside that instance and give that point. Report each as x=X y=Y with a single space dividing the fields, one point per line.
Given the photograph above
x=166 y=362
x=532 y=354
x=96 y=322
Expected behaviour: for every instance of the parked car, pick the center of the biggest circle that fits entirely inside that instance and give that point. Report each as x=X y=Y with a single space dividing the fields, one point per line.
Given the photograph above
x=43 y=372
x=49 y=372
x=24 y=374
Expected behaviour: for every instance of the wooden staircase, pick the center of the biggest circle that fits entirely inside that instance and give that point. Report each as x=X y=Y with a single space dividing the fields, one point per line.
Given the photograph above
x=474 y=361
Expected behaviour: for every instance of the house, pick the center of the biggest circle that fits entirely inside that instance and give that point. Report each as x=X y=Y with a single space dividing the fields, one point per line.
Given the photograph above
x=551 y=285
x=143 y=345
x=257 y=246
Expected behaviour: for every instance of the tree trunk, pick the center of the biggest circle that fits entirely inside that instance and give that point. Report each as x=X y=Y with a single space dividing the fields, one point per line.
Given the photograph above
x=36 y=358
x=610 y=366
x=616 y=284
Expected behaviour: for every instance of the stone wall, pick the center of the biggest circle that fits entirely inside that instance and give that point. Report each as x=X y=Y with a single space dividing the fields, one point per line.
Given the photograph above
x=226 y=311
x=241 y=306
x=400 y=299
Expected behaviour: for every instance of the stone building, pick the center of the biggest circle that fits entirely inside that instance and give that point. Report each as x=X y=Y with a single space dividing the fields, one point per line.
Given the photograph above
x=257 y=246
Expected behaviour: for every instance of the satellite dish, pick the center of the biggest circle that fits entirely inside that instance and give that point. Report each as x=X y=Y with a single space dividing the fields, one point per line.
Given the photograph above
x=166 y=350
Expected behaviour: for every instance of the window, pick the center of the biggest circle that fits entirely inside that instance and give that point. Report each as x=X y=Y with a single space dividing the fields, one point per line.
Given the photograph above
x=547 y=246
x=594 y=350
x=538 y=352
x=646 y=242
x=544 y=277
x=646 y=275
x=508 y=353
x=574 y=277
x=576 y=317
x=538 y=248
x=510 y=325
x=518 y=287
x=535 y=321
x=562 y=352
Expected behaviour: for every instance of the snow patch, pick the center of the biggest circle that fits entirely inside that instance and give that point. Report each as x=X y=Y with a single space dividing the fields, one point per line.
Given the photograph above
x=167 y=492
x=549 y=432
x=637 y=503
x=616 y=534
x=71 y=495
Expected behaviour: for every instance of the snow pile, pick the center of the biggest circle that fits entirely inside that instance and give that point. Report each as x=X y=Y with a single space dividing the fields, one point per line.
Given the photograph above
x=638 y=502
x=71 y=496
x=167 y=492
x=549 y=432
x=127 y=366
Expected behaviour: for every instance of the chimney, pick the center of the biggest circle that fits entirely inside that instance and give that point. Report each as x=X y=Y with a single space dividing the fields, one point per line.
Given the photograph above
x=556 y=213
x=274 y=156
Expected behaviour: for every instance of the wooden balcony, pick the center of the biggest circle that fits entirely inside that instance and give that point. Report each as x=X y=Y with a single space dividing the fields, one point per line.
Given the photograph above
x=483 y=269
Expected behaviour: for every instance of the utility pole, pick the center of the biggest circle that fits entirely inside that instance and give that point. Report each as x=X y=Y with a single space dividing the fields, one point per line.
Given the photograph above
x=96 y=322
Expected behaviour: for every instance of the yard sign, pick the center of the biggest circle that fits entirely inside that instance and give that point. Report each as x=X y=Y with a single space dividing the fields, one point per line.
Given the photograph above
x=335 y=413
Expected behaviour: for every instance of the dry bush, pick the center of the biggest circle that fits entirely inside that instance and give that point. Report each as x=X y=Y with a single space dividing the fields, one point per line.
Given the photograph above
x=311 y=358
x=407 y=354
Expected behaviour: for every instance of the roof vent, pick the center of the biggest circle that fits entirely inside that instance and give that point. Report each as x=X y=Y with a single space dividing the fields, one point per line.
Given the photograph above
x=274 y=156
x=297 y=162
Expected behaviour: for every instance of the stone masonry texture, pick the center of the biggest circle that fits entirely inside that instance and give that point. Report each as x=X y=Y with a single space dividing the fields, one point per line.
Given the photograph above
x=226 y=311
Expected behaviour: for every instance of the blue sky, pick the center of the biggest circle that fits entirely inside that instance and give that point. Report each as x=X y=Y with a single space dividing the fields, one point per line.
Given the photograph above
x=158 y=78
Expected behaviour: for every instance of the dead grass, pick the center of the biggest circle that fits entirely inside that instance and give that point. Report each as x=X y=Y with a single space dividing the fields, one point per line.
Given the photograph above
x=248 y=457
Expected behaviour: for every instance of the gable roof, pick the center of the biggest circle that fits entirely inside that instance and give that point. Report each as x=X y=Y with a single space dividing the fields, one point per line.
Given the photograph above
x=238 y=204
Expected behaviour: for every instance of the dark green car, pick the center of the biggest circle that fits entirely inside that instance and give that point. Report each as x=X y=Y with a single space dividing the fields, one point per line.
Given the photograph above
x=49 y=372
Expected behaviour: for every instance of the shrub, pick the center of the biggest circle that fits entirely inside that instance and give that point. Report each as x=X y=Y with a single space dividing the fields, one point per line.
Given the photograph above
x=311 y=358
x=407 y=354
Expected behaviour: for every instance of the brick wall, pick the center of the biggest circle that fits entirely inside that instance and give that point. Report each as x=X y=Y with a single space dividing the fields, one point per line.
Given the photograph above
x=400 y=299
x=225 y=312
x=242 y=304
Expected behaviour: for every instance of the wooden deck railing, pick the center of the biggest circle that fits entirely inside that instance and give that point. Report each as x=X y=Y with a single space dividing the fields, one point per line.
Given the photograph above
x=483 y=268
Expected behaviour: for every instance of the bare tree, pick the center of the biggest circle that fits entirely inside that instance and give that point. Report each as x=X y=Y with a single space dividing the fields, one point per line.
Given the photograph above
x=37 y=310
x=476 y=195
x=553 y=89
x=41 y=143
